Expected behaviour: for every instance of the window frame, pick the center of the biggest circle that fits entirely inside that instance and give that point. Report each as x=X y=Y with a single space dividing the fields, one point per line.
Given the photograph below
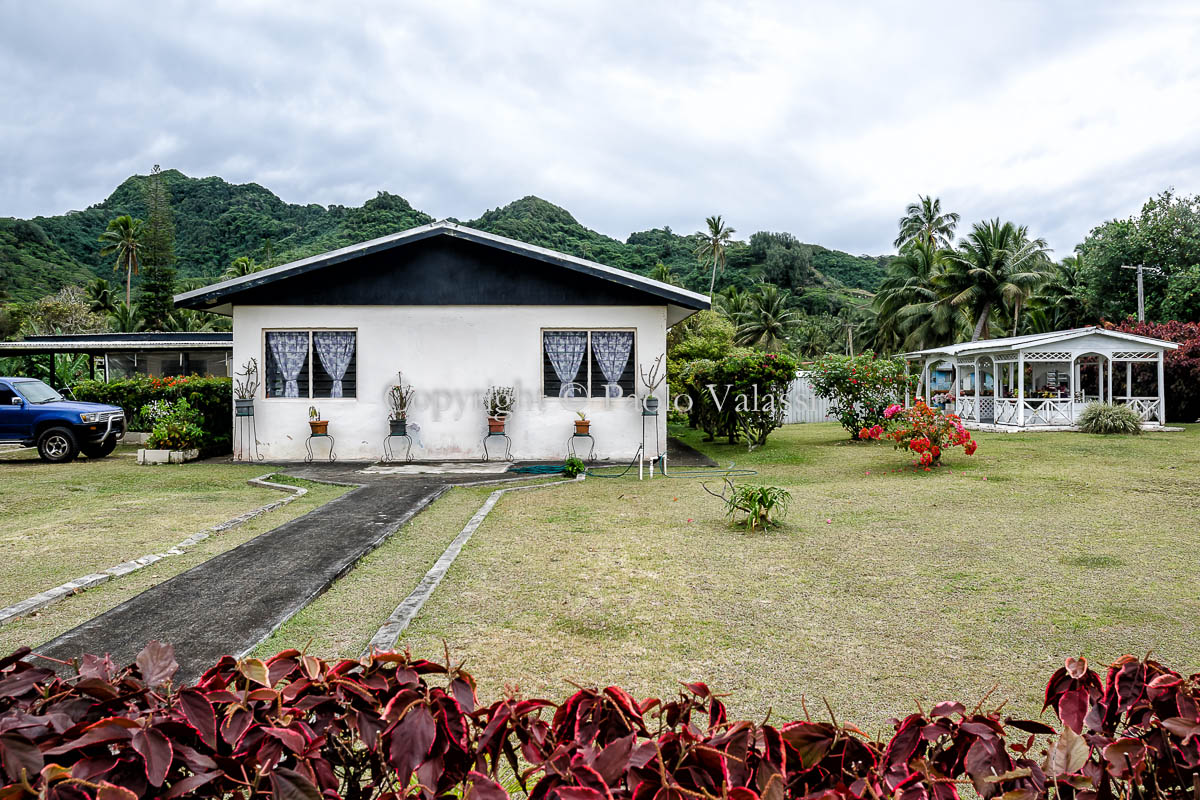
x=312 y=357
x=589 y=330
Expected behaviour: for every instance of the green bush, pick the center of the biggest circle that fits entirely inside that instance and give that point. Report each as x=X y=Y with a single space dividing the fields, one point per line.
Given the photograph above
x=743 y=394
x=762 y=505
x=212 y=398
x=178 y=429
x=573 y=467
x=1105 y=418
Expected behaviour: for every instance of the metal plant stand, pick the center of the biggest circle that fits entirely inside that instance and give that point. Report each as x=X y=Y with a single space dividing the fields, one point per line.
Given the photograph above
x=308 y=446
x=571 y=445
x=507 y=446
x=246 y=436
x=389 y=453
x=658 y=454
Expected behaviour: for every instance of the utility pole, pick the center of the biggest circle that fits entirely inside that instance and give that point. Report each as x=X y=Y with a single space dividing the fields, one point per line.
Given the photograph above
x=1141 y=294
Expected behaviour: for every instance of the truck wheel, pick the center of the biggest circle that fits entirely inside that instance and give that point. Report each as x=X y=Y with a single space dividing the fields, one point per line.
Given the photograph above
x=99 y=450
x=57 y=445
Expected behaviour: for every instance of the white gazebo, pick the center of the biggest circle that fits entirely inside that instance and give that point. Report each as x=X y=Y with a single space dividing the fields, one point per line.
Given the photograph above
x=1045 y=380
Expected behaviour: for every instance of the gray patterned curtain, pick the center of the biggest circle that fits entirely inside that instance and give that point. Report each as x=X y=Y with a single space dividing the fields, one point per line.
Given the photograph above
x=290 y=350
x=335 y=349
x=565 y=350
x=612 y=349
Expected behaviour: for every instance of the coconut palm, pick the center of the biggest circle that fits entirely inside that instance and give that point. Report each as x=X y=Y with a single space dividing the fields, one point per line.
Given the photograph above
x=765 y=321
x=124 y=237
x=185 y=320
x=996 y=268
x=713 y=244
x=910 y=314
x=99 y=295
x=126 y=318
x=924 y=221
x=241 y=266
x=731 y=303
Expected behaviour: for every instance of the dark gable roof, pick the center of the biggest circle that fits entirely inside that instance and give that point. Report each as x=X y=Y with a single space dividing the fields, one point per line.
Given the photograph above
x=443 y=264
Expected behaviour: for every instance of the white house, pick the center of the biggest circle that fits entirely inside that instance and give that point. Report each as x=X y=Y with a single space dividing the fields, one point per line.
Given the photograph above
x=1045 y=380
x=456 y=310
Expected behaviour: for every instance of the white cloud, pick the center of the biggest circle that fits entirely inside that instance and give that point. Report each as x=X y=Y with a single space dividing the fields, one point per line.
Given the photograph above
x=815 y=118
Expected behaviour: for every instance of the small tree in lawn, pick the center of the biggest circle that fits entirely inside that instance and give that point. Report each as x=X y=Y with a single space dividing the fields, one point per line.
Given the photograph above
x=860 y=388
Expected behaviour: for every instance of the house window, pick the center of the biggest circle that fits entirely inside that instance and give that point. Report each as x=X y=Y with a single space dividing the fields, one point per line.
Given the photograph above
x=311 y=363
x=588 y=363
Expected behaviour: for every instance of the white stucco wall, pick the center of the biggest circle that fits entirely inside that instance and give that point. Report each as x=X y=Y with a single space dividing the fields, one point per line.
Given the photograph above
x=451 y=355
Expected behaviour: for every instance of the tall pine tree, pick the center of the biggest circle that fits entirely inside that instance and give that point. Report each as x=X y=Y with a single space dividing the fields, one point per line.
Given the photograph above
x=158 y=254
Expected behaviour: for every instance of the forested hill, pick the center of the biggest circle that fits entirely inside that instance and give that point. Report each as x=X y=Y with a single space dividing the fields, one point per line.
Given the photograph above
x=216 y=222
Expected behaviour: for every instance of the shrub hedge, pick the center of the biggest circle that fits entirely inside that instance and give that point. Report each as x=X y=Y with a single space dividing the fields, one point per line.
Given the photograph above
x=1107 y=418
x=743 y=394
x=391 y=726
x=1181 y=367
x=860 y=388
x=211 y=397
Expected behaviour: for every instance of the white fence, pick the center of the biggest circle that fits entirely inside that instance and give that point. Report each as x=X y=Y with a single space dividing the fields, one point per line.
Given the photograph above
x=803 y=403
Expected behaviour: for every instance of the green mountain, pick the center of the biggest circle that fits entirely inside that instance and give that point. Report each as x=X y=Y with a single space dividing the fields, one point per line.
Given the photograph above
x=216 y=222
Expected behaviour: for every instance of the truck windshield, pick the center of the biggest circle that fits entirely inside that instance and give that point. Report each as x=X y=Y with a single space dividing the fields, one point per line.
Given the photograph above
x=37 y=392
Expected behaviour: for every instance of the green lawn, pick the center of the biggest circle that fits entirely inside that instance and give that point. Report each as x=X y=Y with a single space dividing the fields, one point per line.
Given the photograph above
x=62 y=521
x=884 y=586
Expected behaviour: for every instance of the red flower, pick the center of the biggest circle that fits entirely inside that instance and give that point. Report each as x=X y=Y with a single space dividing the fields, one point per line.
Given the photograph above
x=970 y=447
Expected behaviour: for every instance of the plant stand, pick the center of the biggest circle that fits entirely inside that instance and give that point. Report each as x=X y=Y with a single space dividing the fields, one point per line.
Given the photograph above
x=571 y=446
x=388 y=453
x=246 y=438
x=507 y=446
x=659 y=456
x=308 y=446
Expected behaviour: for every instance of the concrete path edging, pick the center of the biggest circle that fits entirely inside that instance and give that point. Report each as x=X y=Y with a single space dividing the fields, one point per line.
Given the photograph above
x=78 y=585
x=389 y=633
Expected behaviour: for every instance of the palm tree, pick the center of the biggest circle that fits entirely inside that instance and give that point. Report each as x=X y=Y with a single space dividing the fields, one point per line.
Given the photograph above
x=662 y=273
x=1061 y=301
x=712 y=247
x=99 y=295
x=242 y=265
x=910 y=314
x=924 y=221
x=995 y=269
x=186 y=320
x=123 y=237
x=125 y=318
x=766 y=319
x=731 y=303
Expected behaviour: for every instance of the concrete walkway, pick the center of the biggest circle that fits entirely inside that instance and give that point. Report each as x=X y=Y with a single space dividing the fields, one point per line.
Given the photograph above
x=233 y=601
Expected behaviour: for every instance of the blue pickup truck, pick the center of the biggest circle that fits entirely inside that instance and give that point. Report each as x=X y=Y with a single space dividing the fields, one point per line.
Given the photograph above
x=31 y=413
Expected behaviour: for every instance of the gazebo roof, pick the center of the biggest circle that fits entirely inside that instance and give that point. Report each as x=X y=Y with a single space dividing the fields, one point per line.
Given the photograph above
x=1012 y=344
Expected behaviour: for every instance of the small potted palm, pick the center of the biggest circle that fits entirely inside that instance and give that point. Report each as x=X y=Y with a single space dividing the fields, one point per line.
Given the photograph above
x=320 y=427
x=245 y=389
x=498 y=402
x=582 y=425
x=399 y=398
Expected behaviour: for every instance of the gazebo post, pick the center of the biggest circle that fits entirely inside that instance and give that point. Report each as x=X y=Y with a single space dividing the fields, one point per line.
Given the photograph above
x=1162 y=392
x=907 y=384
x=978 y=390
x=1020 y=388
x=1071 y=387
x=1109 y=376
x=1128 y=381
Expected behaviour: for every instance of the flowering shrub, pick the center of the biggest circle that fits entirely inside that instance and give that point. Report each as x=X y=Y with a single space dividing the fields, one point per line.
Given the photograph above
x=179 y=429
x=926 y=432
x=860 y=387
x=392 y=727
x=212 y=397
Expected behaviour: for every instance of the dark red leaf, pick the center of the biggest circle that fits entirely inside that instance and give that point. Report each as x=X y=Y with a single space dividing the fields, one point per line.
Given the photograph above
x=190 y=784
x=614 y=759
x=199 y=713
x=810 y=741
x=157 y=663
x=288 y=784
x=155 y=750
x=464 y=692
x=484 y=788
x=111 y=729
x=411 y=739
x=947 y=709
x=699 y=689
x=108 y=791
x=1072 y=708
x=20 y=757
x=293 y=740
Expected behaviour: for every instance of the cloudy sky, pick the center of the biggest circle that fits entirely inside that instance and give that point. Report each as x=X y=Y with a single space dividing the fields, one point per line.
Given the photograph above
x=819 y=119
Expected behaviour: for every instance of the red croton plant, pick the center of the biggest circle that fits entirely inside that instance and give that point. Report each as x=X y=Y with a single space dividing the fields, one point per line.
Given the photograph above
x=296 y=727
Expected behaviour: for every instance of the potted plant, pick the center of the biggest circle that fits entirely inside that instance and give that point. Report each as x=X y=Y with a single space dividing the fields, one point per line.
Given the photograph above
x=320 y=427
x=583 y=424
x=652 y=380
x=399 y=397
x=245 y=390
x=498 y=403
